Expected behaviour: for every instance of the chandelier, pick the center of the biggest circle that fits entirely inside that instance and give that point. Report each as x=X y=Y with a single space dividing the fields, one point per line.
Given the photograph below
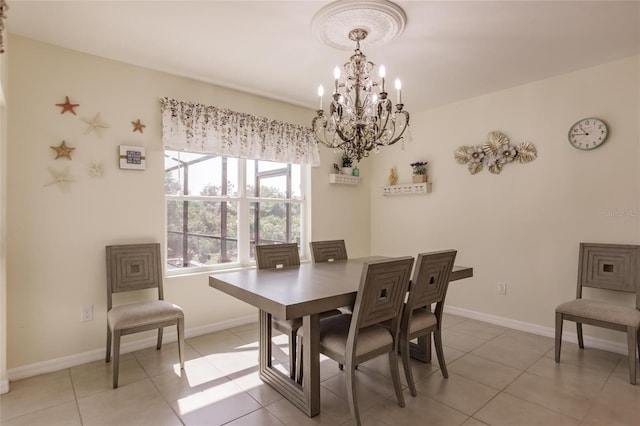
x=360 y=118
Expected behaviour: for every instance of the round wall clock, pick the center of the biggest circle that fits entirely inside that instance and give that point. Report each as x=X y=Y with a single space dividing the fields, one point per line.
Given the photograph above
x=588 y=133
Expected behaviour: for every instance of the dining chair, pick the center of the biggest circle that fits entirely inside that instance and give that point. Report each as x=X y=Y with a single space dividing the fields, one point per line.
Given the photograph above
x=373 y=328
x=428 y=285
x=134 y=267
x=328 y=251
x=607 y=267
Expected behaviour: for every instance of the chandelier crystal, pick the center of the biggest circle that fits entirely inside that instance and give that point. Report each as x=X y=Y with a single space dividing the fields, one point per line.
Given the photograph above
x=360 y=117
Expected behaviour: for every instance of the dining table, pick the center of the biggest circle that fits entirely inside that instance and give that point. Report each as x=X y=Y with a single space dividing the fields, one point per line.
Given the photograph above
x=303 y=291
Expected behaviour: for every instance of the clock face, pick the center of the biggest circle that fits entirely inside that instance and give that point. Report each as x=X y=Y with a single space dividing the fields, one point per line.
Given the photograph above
x=588 y=133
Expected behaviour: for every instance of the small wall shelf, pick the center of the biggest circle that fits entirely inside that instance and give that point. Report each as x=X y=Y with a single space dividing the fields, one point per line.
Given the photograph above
x=407 y=189
x=344 y=179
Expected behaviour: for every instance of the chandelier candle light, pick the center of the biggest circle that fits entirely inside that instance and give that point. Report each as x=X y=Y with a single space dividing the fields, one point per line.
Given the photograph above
x=360 y=117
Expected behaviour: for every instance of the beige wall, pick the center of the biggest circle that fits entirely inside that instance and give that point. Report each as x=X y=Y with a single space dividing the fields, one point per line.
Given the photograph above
x=4 y=381
x=56 y=238
x=521 y=227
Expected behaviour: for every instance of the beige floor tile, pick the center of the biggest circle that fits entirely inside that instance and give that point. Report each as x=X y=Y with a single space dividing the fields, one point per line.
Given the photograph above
x=248 y=332
x=334 y=410
x=618 y=404
x=532 y=342
x=457 y=392
x=35 y=394
x=449 y=320
x=478 y=329
x=471 y=421
x=419 y=410
x=156 y=362
x=511 y=355
x=576 y=376
x=506 y=410
x=371 y=388
x=481 y=370
x=261 y=417
x=216 y=405
x=380 y=365
x=461 y=341
x=553 y=394
x=138 y=403
x=61 y=415
x=249 y=381
x=198 y=375
x=97 y=376
x=218 y=342
x=587 y=357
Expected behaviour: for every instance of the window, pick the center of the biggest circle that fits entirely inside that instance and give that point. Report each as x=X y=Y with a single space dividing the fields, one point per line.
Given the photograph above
x=219 y=207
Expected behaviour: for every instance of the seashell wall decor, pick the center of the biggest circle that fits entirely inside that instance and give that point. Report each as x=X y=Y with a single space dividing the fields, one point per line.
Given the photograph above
x=494 y=154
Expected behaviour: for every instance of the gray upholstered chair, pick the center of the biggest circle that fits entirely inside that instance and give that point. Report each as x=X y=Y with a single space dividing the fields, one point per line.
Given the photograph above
x=429 y=285
x=373 y=328
x=611 y=267
x=328 y=251
x=136 y=267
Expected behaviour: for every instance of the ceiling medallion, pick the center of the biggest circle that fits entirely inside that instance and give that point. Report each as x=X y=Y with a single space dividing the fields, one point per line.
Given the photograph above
x=381 y=19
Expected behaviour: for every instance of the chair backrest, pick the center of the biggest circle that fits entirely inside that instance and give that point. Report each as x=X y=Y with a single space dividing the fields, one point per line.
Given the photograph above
x=328 y=251
x=133 y=267
x=383 y=286
x=269 y=256
x=430 y=278
x=609 y=266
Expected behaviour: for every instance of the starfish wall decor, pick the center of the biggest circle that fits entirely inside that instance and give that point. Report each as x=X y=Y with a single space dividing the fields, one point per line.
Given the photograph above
x=138 y=126
x=95 y=169
x=62 y=179
x=95 y=125
x=62 y=150
x=67 y=106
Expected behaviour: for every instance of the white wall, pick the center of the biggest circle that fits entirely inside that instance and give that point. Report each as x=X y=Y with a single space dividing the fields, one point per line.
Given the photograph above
x=521 y=227
x=56 y=238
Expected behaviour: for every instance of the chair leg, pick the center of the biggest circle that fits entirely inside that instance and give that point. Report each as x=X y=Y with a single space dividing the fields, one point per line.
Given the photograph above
x=559 y=322
x=437 y=337
x=108 y=357
x=116 y=357
x=159 y=345
x=406 y=365
x=632 y=340
x=351 y=393
x=395 y=376
x=180 y=328
x=580 y=339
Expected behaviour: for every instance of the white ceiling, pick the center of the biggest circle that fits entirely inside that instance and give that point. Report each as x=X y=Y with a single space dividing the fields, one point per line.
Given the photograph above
x=449 y=50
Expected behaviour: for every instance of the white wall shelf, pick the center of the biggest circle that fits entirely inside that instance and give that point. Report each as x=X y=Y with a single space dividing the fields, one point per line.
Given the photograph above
x=407 y=189
x=344 y=179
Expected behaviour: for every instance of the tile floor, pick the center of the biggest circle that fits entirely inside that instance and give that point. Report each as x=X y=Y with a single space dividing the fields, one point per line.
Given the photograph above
x=497 y=377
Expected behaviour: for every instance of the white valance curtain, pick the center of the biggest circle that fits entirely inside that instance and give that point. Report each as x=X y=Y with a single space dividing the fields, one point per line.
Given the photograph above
x=200 y=128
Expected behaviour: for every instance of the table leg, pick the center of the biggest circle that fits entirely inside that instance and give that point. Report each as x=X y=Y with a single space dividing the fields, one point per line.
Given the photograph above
x=422 y=350
x=306 y=396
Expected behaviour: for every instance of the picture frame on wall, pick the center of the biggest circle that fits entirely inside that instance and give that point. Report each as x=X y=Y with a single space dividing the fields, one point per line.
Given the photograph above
x=132 y=157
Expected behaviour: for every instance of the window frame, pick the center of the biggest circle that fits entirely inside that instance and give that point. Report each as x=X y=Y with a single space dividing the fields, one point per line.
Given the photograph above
x=244 y=201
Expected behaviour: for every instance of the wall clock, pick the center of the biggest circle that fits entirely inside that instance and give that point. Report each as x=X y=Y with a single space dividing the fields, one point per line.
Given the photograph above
x=588 y=133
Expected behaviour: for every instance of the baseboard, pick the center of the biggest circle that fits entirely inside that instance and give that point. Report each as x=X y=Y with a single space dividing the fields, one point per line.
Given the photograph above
x=169 y=335
x=592 y=342
x=4 y=386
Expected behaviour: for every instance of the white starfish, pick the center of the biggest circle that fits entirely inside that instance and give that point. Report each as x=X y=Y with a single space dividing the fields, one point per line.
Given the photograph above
x=61 y=179
x=95 y=125
x=96 y=169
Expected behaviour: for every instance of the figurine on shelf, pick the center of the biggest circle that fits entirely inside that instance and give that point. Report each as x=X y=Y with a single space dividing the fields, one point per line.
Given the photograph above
x=336 y=169
x=393 y=176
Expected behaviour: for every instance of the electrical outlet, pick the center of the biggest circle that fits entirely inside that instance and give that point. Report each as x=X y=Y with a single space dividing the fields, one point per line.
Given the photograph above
x=86 y=314
x=502 y=288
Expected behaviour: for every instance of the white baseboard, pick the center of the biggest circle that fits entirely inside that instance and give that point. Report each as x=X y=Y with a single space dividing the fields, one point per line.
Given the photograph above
x=592 y=342
x=169 y=335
